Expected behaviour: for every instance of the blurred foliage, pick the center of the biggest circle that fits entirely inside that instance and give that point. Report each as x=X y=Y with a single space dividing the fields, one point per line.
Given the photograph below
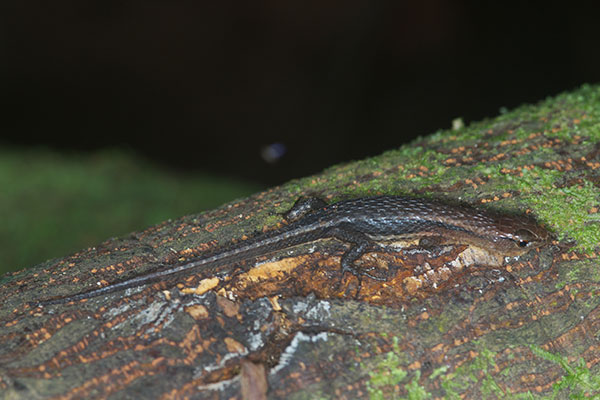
x=52 y=204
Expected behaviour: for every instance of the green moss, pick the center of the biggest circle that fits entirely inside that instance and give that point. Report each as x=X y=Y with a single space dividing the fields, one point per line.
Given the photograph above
x=438 y=372
x=553 y=116
x=387 y=376
x=578 y=381
x=567 y=210
x=586 y=101
x=416 y=391
x=580 y=271
x=478 y=372
x=470 y=373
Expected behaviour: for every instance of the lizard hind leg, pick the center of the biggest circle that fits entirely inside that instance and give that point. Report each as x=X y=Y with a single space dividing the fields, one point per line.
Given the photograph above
x=360 y=244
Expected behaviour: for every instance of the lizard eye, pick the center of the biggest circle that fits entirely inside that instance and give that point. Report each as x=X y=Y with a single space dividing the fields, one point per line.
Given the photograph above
x=524 y=237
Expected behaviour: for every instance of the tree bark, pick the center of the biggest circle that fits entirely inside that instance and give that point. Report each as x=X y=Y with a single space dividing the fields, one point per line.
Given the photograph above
x=443 y=324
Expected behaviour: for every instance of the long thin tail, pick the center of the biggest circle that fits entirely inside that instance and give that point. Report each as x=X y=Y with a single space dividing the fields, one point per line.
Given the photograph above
x=251 y=248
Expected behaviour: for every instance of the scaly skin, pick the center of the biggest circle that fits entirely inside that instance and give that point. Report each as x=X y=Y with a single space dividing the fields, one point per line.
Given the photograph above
x=362 y=223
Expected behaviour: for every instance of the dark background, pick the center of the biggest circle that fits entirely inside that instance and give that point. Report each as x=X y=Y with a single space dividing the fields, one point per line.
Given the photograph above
x=204 y=86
